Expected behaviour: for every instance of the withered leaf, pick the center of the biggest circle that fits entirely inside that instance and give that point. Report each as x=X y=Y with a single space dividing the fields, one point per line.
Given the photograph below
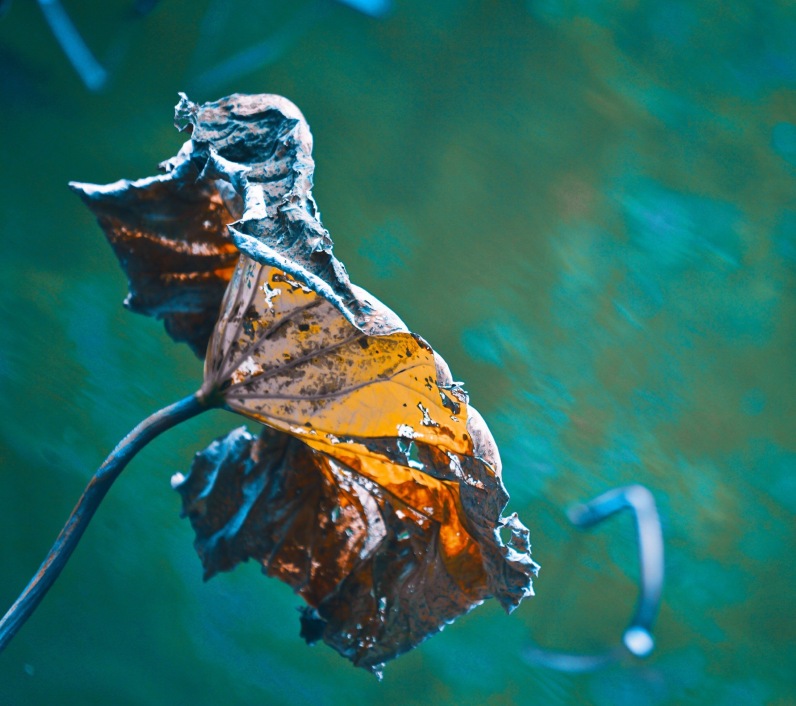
x=376 y=490
x=287 y=357
x=169 y=231
x=365 y=561
x=368 y=564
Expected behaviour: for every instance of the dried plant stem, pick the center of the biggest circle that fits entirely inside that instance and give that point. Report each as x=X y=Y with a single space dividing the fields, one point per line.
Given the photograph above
x=92 y=496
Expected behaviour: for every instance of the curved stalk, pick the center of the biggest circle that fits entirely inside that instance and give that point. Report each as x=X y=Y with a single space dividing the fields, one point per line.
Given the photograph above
x=92 y=496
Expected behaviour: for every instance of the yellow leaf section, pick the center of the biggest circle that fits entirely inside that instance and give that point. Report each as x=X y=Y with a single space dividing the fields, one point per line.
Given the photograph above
x=285 y=356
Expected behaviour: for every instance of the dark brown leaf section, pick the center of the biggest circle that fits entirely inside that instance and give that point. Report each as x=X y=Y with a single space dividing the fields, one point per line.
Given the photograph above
x=169 y=233
x=242 y=183
x=367 y=564
x=261 y=146
x=483 y=498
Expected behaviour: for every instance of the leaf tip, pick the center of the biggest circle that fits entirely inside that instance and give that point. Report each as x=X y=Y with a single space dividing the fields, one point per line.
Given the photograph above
x=184 y=112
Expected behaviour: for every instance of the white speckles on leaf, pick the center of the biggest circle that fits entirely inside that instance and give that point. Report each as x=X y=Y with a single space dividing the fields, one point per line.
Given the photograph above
x=270 y=294
x=427 y=421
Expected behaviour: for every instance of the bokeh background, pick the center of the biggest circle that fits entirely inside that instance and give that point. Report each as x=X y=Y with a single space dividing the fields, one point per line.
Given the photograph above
x=587 y=206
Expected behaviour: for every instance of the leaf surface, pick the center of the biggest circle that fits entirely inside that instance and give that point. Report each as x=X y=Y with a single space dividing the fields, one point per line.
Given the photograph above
x=169 y=236
x=369 y=566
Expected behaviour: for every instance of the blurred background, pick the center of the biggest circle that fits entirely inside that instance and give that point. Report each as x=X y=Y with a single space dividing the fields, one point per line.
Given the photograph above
x=587 y=206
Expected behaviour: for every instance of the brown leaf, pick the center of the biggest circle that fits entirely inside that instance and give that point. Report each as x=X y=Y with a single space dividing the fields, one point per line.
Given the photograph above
x=169 y=231
x=369 y=566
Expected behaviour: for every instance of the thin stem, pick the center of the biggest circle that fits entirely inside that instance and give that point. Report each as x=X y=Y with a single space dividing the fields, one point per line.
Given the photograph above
x=92 y=496
x=73 y=45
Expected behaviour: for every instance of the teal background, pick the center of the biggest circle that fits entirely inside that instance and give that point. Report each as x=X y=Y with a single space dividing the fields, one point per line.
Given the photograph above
x=586 y=206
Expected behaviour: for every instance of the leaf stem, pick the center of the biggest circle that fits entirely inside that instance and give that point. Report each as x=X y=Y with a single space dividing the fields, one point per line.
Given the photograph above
x=92 y=496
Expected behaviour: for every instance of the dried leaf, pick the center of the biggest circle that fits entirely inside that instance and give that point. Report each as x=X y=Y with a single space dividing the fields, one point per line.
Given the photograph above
x=287 y=357
x=367 y=563
x=364 y=417
x=169 y=231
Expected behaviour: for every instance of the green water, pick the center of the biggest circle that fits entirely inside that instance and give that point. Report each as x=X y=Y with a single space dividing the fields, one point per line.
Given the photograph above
x=589 y=208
